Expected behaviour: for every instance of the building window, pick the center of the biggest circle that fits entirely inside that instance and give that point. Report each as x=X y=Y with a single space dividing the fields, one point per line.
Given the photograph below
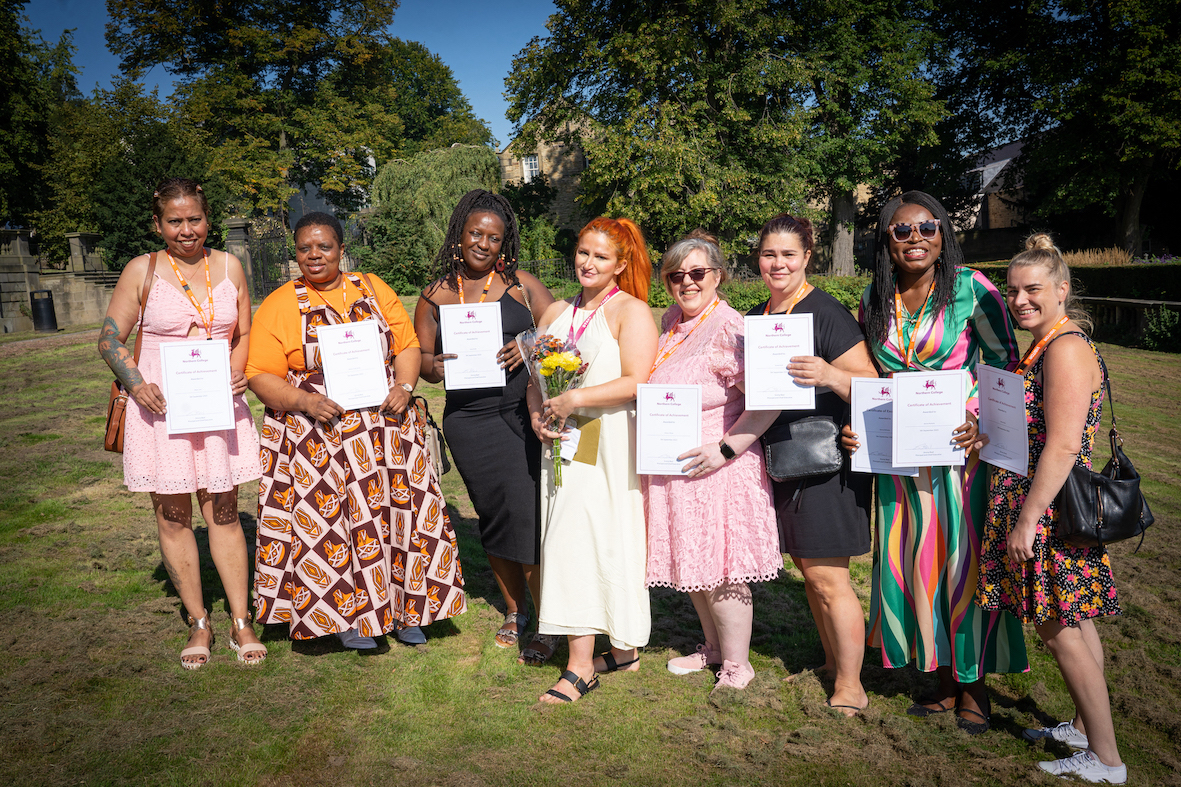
x=529 y=168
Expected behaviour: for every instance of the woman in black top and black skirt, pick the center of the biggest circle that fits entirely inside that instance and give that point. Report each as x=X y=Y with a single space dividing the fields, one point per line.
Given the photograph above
x=488 y=429
x=823 y=520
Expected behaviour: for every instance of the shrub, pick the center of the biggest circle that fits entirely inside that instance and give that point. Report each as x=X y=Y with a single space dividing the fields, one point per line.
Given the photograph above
x=1098 y=258
x=745 y=294
x=1162 y=332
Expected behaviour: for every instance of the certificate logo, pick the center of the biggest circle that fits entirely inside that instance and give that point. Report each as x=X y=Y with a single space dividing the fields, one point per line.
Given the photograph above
x=669 y=396
x=777 y=328
x=930 y=386
x=471 y=315
x=195 y=354
x=885 y=392
x=1000 y=383
x=348 y=334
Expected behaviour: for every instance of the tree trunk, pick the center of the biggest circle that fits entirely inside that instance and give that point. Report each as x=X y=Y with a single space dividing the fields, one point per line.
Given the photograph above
x=1130 y=200
x=844 y=208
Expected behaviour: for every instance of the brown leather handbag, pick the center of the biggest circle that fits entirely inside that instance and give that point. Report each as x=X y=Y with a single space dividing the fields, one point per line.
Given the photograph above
x=117 y=407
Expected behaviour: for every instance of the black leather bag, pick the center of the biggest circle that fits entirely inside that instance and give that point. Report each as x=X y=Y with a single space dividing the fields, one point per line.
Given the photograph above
x=1100 y=508
x=814 y=449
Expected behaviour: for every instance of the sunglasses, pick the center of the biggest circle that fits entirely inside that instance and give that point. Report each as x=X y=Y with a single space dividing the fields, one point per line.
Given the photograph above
x=927 y=229
x=697 y=275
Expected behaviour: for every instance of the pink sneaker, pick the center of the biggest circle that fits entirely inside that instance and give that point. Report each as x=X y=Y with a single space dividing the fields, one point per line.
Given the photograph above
x=694 y=662
x=734 y=675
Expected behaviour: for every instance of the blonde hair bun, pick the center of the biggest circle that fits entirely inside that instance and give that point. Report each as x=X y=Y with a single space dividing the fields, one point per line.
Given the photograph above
x=1041 y=241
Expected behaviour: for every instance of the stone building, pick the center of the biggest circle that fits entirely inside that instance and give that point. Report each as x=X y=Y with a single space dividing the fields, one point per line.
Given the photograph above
x=560 y=163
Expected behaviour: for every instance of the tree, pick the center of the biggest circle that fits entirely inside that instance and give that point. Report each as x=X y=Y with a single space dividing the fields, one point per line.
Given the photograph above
x=414 y=199
x=684 y=110
x=38 y=81
x=1093 y=88
x=289 y=93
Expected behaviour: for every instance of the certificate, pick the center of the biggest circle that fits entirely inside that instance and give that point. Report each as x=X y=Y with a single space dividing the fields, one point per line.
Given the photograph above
x=872 y=403
x=928 y=406
x=771 y=342
x=354 y=366
x=195 y=378
x=472 y=332
x=1002 y=418
x=668 y=424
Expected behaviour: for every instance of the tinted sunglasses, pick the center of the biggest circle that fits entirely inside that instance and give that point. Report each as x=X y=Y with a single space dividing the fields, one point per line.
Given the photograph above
x=697 y=275
x=927 y=229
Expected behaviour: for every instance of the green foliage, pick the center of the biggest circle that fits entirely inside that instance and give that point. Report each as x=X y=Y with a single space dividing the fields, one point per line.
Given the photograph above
x=530 y=200
x=414 y=199
x=1162 y=331
x=539 y=238
x=38 y=82
x=846 y=289
x=745 y=294
x=294 y=95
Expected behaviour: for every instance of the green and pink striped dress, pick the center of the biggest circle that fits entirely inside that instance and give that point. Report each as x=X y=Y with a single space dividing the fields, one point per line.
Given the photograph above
x=927 y=545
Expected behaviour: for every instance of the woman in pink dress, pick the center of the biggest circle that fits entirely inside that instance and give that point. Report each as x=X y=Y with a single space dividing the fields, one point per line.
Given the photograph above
x=192 y=293
x=712 y=531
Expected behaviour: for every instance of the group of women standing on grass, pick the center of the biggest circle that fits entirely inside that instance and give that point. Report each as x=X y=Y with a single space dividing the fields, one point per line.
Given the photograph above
x=354 y=538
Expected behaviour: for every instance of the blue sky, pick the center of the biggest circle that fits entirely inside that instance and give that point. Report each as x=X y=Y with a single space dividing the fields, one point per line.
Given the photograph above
x=477 y=39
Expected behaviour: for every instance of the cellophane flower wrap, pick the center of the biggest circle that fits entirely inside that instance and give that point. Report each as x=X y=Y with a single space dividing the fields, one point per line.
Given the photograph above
x=557 y=367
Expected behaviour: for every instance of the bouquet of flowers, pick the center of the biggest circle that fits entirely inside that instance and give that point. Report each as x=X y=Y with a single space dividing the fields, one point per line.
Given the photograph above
x=557 y=367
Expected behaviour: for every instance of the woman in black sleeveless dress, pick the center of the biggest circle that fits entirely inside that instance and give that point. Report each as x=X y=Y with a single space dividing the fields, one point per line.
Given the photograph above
x=488 y=429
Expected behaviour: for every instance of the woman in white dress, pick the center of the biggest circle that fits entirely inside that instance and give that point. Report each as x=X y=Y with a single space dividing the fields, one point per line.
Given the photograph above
x=593 y=547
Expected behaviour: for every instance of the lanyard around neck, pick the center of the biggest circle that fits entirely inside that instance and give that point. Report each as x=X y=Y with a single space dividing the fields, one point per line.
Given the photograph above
x=184 y=283
x=572 y=337
x=487 y=286
x=1033 y=352
x=344 y=298
x=914 y=333
x=664 y=352
x=791 y=304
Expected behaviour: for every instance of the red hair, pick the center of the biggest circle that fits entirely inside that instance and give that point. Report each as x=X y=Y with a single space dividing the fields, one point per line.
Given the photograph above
x=625 y=236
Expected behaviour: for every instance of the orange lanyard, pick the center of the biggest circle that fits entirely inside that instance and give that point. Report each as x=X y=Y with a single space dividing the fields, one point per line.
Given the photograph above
x=795 y=299
x=207 y=322
x=487 y=286
x=1033 y=352
x=664 y=352
x=898 y=319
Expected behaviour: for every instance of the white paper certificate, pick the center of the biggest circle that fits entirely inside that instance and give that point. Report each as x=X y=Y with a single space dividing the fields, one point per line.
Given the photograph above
x=872 y=403
x=1002 y=418
x=195 y=378
x=472 y=332
x=771 y=342
x=668 y=423
x=928 y=406
x=354 y=367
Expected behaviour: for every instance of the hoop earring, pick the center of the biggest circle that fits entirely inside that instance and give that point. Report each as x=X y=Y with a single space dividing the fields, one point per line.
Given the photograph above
x=500 y=265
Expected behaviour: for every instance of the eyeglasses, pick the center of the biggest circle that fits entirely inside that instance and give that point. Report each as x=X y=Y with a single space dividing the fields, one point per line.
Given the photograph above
x=697 y=275
x=927 y=229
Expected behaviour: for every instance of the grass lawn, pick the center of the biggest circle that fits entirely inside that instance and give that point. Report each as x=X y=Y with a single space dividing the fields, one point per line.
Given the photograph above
x=93 y=693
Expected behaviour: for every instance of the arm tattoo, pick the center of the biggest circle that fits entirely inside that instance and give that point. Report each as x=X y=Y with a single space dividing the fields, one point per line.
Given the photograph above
x=117 y=356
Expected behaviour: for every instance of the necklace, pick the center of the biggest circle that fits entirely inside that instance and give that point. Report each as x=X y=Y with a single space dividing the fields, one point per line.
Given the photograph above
x=207 y=322
x=664 y=352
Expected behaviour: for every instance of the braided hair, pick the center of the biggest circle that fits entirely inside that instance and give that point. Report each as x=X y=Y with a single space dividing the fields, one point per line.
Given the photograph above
x=881 y=292
x=450 y=257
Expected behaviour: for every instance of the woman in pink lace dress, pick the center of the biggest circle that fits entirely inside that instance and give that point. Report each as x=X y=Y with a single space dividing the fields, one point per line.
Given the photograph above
x=192 y=292
x=712 y=531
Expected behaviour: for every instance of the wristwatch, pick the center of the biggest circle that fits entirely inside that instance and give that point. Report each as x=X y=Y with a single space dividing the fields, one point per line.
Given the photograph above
x=727 y=451
x=407 y=387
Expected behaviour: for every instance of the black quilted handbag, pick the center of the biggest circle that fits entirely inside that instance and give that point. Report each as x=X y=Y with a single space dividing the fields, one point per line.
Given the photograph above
x=1100 y=508
x=813 y=450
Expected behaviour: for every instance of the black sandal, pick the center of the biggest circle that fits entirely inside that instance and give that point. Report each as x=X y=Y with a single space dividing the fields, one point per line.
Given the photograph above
x=920 y=709
x=614 y=666
x=580 y=685
x=973 y=727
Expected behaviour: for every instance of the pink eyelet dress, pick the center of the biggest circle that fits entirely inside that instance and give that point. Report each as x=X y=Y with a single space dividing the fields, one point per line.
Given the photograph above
x=154 y=461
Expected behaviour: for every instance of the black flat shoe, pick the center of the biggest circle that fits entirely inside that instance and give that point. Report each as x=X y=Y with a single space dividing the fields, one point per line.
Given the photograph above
x=973 y=727
x=921 y=710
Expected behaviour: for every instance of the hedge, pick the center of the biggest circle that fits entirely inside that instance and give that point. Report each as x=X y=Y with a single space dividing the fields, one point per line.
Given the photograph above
x=1154 y=281
x=744 y=294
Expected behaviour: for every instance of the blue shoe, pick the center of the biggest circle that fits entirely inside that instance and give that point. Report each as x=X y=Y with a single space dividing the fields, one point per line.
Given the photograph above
x=353 y=639
x=410 y=635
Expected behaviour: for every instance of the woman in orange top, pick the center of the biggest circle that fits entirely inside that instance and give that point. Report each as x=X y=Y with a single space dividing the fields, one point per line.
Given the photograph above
x=353 y=533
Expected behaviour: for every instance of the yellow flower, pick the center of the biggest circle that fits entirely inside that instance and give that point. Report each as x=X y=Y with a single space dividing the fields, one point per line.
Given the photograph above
x=568 y=361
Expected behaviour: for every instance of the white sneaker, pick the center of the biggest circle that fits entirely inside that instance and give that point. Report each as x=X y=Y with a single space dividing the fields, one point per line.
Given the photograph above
x=353 y=639
x=1087 y=767
x=1063 y=733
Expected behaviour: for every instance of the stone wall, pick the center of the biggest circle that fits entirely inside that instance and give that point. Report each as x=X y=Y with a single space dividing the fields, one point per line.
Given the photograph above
x=80 y=292
x=562 y=166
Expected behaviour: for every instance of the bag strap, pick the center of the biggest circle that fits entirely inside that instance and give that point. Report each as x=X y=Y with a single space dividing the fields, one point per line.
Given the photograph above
x=143 y=305
x=528 y=305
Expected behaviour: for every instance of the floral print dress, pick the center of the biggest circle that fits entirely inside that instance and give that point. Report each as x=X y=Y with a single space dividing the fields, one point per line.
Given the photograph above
x=1063 y=584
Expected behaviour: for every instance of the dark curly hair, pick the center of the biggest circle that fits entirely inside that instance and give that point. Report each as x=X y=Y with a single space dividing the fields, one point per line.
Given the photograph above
x=320 y=219
x=881 y=292
x=450 y=257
